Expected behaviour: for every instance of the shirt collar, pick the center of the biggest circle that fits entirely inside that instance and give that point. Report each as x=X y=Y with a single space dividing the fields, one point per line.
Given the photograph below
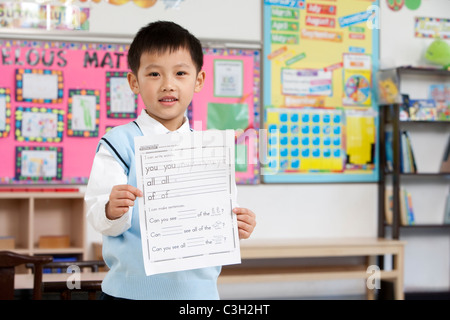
x=150 y=126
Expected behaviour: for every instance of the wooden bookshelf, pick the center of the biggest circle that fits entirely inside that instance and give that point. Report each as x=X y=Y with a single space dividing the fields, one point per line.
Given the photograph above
x=390 y=121
x=25 y=216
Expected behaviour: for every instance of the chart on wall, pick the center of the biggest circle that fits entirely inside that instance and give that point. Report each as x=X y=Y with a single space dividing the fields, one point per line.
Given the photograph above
x=319 y=111
x=57 y=99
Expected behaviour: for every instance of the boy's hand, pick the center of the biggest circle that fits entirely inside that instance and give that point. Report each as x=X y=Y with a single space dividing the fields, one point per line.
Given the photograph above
x=121 y=198
x=246 y=222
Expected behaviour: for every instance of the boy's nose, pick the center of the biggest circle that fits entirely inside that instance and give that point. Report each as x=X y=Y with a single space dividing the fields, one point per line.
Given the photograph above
x=167 y=86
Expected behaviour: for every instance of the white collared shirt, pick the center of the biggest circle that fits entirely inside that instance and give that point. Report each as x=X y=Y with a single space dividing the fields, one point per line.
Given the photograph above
x=102 y=180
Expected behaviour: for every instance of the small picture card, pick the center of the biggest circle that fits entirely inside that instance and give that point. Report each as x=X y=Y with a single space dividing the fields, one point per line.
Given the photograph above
x=83 y=113
x=39 y=124
x=121 y=102
x=228 y=78
x=39 y=86
x=5 y=112
x=39 y=163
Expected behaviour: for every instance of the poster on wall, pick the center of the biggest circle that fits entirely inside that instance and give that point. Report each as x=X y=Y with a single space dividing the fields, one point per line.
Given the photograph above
x=57 y=99
x=319 y=109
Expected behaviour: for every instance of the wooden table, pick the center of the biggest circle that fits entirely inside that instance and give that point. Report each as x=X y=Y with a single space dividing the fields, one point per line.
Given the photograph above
x=275 y=250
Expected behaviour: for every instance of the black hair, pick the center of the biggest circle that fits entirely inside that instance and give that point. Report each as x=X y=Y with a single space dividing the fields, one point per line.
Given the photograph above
x=160 y=36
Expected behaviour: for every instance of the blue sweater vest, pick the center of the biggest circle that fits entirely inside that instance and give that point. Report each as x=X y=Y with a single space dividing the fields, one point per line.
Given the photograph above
x=123 y=254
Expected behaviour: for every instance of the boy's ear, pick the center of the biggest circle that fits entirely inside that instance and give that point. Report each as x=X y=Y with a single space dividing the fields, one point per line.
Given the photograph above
x=132 y=81
x=200 y=81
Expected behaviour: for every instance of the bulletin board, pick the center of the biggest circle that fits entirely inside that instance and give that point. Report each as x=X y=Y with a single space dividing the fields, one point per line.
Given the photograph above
x=57 y=99
x=320 y=60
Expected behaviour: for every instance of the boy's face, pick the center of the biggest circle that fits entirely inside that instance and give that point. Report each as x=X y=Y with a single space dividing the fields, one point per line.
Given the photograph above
x=166 y=83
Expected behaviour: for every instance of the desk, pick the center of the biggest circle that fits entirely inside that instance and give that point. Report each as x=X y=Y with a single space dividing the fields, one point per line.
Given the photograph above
x=368 y=248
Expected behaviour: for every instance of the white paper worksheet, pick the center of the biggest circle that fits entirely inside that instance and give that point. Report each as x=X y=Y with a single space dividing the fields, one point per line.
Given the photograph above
x=188 y=184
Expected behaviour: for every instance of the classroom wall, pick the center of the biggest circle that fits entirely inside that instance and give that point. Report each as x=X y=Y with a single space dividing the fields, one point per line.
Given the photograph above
x=207 y=19
x=398 y=45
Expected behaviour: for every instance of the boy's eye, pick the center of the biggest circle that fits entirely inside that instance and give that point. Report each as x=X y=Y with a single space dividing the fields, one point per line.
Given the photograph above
x=181 y=73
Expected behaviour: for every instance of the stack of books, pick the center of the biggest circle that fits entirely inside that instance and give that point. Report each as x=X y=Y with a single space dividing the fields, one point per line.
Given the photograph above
x=435 y=108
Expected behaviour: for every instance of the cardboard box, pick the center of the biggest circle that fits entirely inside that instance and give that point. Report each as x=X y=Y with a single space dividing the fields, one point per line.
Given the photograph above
x=7 y=243
x=98 y=255
x=53 y=242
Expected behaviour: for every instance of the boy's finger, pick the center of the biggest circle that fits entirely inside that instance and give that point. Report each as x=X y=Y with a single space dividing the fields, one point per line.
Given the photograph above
x=133 y=190
x=243 y=211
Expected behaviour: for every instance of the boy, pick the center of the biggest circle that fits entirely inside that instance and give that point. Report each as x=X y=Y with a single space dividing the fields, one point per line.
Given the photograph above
x=165 y=62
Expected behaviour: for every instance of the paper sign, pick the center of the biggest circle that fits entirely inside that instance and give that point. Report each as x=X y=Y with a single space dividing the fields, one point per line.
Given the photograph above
x=40 y=86
x=303 y=82
x=122 y=98
x=228 y=78
x=185 y=213
x=2 y=112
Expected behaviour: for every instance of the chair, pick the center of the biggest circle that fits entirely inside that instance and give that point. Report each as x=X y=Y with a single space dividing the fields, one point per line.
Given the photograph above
x=91 y=287
x=9 y=261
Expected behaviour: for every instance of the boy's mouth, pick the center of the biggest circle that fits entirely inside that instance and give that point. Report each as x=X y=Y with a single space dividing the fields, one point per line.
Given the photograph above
x=168 y=100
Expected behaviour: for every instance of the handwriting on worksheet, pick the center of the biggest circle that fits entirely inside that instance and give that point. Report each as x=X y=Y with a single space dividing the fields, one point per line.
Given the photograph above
x=186 y=214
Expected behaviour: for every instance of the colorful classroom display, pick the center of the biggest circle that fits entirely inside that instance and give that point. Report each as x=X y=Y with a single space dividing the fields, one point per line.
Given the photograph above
x=57 y=99
x=320 y=59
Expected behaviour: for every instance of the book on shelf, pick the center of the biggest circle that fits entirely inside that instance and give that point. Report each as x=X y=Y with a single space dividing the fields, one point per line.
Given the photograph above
x=445 y=164
x=447 y=210
x=409 y=208
x=422 y=110
x=404 y=108
x=389 y=205
x=407 y=159
x=389 y=151
x=404 y=154
x=406 y=207
x=440 y=93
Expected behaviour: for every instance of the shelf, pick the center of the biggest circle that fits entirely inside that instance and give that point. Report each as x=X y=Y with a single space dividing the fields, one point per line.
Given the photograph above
x=58 y=251
x=424 y=71
x=420 y=174
x=428 y=187
x=423 y=226
x=425 y=122
x=26 y=216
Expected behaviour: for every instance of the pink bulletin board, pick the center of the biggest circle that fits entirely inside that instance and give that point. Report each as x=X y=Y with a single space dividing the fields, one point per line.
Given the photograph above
x=230 y=99
x=57 y=99
x=60 y=99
